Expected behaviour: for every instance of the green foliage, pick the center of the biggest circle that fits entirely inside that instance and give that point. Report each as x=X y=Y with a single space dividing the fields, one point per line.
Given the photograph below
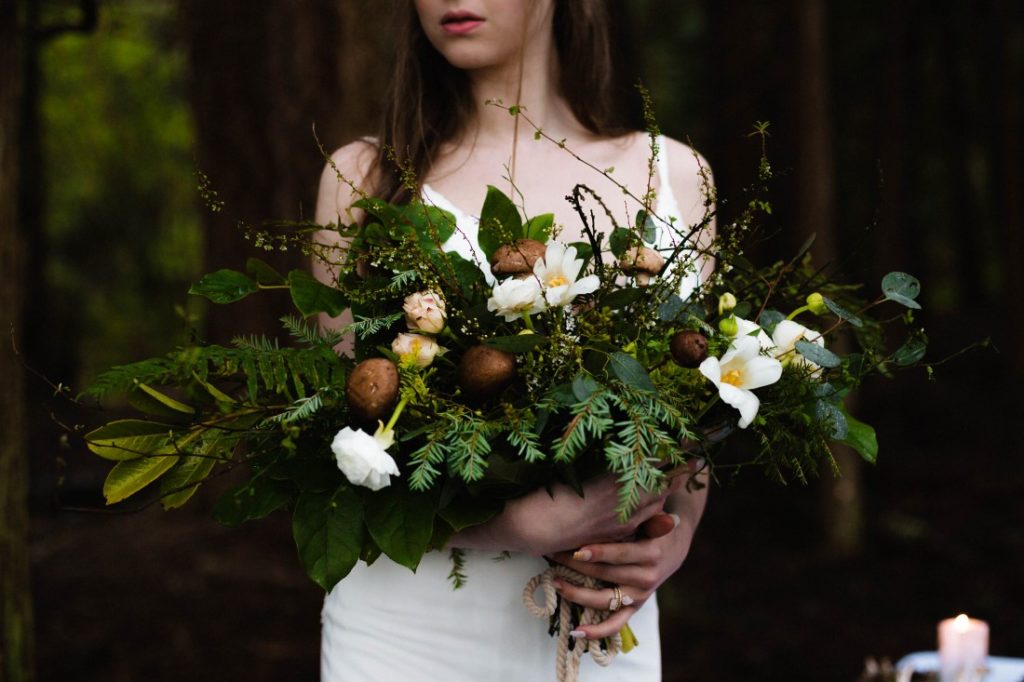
x=902 y=288
x=401 y=523
x=328 y=531
x=224 y=286
x=500 y=222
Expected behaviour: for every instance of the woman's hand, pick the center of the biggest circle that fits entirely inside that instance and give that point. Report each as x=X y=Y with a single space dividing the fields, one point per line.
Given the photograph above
x=637 y=566
x=540 y=523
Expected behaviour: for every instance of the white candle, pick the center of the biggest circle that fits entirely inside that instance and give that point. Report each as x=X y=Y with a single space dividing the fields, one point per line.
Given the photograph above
x=963 y=648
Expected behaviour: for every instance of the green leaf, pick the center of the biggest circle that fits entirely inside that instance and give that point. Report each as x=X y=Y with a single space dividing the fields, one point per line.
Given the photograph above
x=671 y=309
x=584 y=386
x=147 y=404
x=131 y=476
x=262 y=272
x=842 y=313
x=650 y=230
x=629 y=371
x=619 y=241
x=822 y=357
x=620 y=298
x=257 y=498
x=432 y=225
x=166 y=400
x=539 y=227
x=902 y=288
x=224 y=286
x=468 y=510
x=499 y=222
x=401 y=523
x=217 y=394
x=520 y=343
x=910 y=352
x=328 y=531
x=769 y=320
x=861 y=437
x=128 y=439
x=183 y=480
x=312 y=296
x=830 y=413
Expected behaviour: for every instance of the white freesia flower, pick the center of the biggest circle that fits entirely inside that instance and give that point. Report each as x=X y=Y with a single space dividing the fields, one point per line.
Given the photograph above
x=557 y=273
x=514 y=298
x=415 y=349
x=363 y=458
x=740 y=370
x=785 y=336
x=748 y=328
x=424 y=312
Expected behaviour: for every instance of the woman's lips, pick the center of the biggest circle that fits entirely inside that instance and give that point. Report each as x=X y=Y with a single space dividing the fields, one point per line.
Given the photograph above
x=460 y=22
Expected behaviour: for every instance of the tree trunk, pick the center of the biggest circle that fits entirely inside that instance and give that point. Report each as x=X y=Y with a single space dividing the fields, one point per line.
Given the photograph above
x=16 y=662
x=260 y=81
x=816 y=214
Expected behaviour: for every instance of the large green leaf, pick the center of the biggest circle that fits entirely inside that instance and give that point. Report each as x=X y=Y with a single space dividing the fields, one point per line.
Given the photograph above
x=433 y=226
x=539 y=227
x=328 y=531
x=629 y=371
x=131 y=476
x=401 y=523
x=178 y=486
x=166 y=400
x=312 y=296
x=262 y=272
x=902 y=288
x=224 y=286
x=861 y=437
x=254 y=499
x=128 y=439
x=500 y=222
x=467 y=510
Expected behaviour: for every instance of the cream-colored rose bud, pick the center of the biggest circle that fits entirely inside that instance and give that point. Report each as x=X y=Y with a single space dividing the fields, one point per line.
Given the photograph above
x=641 y=262
x=816 y=304
x=425 y=312
x=726 y=302
x=415 y=350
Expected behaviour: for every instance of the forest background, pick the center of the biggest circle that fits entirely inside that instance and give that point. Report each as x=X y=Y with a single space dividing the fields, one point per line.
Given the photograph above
x=896 y=139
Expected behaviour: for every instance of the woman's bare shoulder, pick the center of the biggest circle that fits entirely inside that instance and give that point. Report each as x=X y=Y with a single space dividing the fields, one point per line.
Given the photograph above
x=346 y=176
x=685 y=164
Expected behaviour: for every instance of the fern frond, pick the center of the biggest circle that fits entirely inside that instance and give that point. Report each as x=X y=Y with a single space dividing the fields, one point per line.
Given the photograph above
x=254 y=342
x=310 y=333
x=366 y=327
x=402 y=279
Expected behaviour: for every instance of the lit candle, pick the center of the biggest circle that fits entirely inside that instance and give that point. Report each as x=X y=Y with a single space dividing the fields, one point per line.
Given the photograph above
x=963 y=648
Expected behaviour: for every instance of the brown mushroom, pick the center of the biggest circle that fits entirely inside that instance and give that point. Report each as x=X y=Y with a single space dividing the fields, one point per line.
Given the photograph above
x=689 y=348
x=485 y=372
x=372 y=388
x=517 y=259
x=642 y=262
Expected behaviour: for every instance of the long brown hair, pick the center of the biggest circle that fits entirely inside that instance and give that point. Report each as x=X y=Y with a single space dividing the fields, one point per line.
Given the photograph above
x=429 y=101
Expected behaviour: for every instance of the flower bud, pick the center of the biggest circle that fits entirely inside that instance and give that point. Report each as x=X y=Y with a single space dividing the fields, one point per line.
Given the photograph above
x=816 y=304
x=729 y=326
x=424 y=312
x=415 y=350
x=726 y=302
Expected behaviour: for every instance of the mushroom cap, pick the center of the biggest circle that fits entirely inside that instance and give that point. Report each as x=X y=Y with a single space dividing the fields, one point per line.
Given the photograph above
x=517 y=258
x=485 y=371
x=689 y=348
x=642 y=259
x=372 y=388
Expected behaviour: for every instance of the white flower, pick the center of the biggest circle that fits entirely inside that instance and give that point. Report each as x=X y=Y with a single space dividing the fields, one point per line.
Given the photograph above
x=557 y=273
x=424 y=312
x=514 y=298
x=785 y=336
x=748 y=328
x=415 y=349
x=363 y=458
x=741 y=369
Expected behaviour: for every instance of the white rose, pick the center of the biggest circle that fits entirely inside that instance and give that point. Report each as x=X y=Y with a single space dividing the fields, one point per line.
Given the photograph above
x=415 y=349
x=425 y=312
x=785 y=336
x=364 y=459
x=514 y=298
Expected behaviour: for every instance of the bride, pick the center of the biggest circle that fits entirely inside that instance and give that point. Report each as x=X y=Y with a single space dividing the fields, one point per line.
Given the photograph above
x=552 y=57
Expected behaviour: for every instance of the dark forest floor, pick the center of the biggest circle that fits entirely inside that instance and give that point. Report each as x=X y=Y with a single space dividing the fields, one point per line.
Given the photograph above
x=174 y=596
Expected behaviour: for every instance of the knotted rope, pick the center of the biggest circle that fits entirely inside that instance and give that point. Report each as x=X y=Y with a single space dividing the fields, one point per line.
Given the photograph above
x=567 y=662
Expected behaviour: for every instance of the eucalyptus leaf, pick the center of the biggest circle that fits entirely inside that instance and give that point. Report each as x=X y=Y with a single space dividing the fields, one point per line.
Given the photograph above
x=311 y=296
x=127 y=439
x=224 y=286
x=769 y=319
x=902 y=288
x=671 y=308
x=401 y=523
x=650 y=233
x=328 y=532
x=910 y=352
x=842 y=313
x=628 y=370
x=129 y=477
x=830 y=413
x=822 y=357
x=519 y=343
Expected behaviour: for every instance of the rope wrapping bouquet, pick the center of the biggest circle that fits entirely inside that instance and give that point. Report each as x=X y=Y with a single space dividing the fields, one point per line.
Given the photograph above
x=567 y=662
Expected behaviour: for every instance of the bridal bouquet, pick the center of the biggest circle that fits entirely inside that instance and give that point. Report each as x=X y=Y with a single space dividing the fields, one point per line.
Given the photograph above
x=475 y=380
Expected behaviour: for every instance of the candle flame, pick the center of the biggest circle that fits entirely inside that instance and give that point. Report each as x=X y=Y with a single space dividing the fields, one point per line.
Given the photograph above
x=962 y=623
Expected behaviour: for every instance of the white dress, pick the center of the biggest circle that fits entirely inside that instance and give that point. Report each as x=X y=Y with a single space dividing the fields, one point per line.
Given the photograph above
x=384 y=622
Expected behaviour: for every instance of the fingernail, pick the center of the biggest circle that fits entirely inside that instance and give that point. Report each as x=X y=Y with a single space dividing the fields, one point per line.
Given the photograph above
x=675 y=520
x=578 y=634
x=626 y=600
x=582 y=555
